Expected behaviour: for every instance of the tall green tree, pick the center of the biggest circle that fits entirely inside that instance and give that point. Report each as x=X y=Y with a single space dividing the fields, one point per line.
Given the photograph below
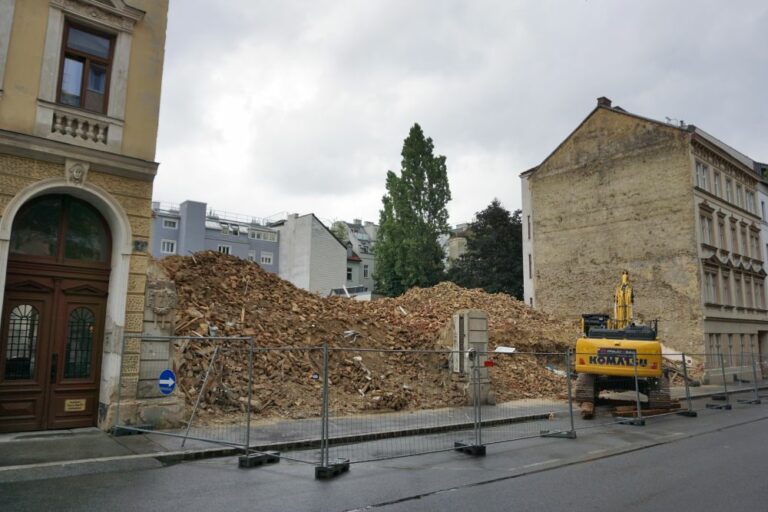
x=494 y=257
x=413 y=216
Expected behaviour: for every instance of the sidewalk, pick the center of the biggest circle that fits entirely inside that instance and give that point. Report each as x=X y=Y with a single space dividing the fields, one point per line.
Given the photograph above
x=91 y=446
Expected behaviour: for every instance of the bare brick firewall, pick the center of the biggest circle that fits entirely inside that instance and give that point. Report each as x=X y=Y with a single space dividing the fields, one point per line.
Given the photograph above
x=618 y=195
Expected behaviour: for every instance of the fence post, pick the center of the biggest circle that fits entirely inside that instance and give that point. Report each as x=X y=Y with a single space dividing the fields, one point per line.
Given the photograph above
x=569 y=434
x=690 y=412
x=476 y=448
x=250 y=460
x=727 y=405
x=326 y=469
x=637 y=420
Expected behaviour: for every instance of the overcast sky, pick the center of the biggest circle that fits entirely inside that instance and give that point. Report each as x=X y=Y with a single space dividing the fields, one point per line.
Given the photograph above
x=282 y=106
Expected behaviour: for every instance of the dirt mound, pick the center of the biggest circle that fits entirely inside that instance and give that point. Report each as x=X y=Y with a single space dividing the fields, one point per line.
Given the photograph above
x=240 y=298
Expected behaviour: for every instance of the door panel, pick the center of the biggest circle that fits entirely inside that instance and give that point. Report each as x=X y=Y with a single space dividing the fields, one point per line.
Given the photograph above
x=75 y=362
x=24 y=343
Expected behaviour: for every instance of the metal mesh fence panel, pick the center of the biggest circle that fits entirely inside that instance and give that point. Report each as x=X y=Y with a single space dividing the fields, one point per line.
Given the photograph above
x=286 y=402
x=530 y=396
x=210 y=379
x=394 y=403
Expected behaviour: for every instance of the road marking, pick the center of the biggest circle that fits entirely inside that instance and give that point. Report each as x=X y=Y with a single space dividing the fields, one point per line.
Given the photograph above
x=594 y=452
x=539 y=463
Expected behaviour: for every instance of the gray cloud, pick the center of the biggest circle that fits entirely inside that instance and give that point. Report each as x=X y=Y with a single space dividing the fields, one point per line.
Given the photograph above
x=303 y=106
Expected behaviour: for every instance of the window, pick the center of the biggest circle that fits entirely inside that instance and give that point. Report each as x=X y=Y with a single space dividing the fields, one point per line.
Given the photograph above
x=234 y=229
x=170 y=223
x=58 y=228
x=718 y=191
x=748 y=292
x=365 y=271
x=728 y=190
x=266 y=258
x=739 y=196
x=224 y=249
x=734 y=238
x=721 y=230
x=744 y=251
x=726 y=288
x=21 y=351
x=80 y=331
x=754 y=246
x=710 y=282
x=751 y=201
x=762 y=210
x=760 y=295
x=702 y=176
x=86 y=62
x=529 y=227
x=252 y=256
x=349 y=274
x=254 y=235
x=706 y=230
x=739 y=299
x=270 y=237
x=167 y=247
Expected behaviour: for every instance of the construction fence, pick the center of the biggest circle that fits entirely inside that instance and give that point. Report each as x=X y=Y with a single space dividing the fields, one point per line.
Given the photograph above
x=331 y=407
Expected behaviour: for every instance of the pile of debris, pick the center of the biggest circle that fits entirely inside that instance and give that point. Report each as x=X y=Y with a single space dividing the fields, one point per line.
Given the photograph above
x=290 y=325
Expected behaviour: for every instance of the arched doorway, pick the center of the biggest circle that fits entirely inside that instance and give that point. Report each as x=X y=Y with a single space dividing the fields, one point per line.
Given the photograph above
x=53 y=315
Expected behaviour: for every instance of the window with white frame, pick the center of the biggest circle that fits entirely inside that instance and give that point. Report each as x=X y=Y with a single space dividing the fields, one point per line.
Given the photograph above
x=349 y=273
x=234 y=229
x=168 y=247
x=266 y=258
x=726 y=276
x=224 y=249
x=706 y=229
x=751 y=201
x=170 y=223
x=252 y=256
x=702 y=176
x=728 y=190
x=254 y=235
x=365 y=271
x=739 y=196
x=718 y=191
x=710 y=280
x=224 y=228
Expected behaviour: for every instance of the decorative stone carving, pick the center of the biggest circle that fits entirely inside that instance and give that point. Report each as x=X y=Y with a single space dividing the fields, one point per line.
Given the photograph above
x=80 y=128
x=162 y=297
x=121 y=18
x=76 y=172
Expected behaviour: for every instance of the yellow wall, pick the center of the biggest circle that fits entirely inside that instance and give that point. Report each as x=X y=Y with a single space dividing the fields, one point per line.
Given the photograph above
x=144 y=80
x=22 y=70
x=22 y=75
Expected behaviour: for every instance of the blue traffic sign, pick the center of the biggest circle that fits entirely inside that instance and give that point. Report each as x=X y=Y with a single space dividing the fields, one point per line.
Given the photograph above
x=167 y=382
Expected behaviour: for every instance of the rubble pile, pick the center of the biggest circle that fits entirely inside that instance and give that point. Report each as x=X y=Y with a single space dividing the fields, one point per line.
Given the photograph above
x=290 y=325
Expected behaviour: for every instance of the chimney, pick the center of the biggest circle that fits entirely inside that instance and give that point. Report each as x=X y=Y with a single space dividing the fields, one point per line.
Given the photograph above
x=602 y=101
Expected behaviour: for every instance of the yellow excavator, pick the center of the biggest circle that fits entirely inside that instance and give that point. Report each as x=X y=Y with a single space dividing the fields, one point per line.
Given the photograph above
x=612 y=351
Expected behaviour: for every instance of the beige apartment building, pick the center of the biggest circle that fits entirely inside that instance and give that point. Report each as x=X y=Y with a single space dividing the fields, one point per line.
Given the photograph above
x=79 y=102
x=670 y=203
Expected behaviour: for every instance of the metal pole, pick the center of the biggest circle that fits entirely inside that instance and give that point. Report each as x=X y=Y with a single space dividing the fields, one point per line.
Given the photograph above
x=250 y=397
x=200 y=395
x=754 y=377
x=570 y=392
x=725 y=384
x=324 y=419
x=687 y=388
x=637 y=394
x=478 y=412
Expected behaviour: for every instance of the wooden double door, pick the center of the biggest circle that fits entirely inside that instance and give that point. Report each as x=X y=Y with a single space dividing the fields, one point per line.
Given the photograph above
x=51 y=347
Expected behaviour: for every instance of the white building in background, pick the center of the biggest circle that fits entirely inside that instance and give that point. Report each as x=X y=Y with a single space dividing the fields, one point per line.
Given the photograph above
x=310 y=256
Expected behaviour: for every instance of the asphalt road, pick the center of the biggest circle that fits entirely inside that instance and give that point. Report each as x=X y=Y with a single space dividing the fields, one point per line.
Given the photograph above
x=716 y=462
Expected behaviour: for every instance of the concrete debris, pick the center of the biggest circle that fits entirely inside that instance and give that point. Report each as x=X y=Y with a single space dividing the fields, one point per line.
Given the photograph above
x=234 y=297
